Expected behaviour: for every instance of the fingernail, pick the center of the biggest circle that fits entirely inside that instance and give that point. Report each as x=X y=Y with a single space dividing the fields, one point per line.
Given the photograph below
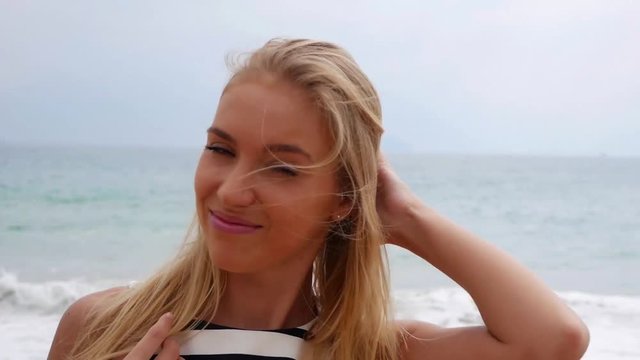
x=168 y=316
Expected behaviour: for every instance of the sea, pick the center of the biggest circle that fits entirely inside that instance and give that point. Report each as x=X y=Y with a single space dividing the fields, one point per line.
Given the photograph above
x=74 y=220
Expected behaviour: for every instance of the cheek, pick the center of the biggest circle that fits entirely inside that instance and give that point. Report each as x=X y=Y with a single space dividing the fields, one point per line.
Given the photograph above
x=198 y=181
x=199 y=184
x=204 y=183
x=304 y=216
x=204 y=178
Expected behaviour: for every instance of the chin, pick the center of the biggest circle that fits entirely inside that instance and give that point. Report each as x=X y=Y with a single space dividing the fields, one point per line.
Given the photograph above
x=230 y=264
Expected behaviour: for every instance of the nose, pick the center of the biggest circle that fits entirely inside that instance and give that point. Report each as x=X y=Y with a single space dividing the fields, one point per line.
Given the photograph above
x=236 y=189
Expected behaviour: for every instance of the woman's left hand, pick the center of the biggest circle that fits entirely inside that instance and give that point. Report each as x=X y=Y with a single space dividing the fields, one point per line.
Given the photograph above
x=395 y=203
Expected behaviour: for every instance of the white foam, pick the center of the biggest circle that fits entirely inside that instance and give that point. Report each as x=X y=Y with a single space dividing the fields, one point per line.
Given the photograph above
x=40 y=298
x=30 y=312
x=447 y=307
x=26 y=336
x=613 y=321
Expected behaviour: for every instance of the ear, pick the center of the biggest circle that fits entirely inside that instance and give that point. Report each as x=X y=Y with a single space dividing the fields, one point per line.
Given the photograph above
x=344 y=208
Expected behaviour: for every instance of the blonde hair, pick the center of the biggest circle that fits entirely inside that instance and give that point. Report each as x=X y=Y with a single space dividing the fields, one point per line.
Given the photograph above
x=351 y=281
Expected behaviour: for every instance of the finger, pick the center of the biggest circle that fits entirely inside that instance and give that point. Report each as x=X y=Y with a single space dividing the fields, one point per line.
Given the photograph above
x=383 y=164
x=381 y=158
x=170 y=350
x=152 y=340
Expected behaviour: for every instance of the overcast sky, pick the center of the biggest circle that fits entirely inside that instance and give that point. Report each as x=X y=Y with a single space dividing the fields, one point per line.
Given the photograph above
x=511 y=77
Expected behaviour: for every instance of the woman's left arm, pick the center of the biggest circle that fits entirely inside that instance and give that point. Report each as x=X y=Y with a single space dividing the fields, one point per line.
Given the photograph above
x=524 y=318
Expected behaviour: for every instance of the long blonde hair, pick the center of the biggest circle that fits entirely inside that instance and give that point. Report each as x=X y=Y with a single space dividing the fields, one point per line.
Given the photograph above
x=351 y=281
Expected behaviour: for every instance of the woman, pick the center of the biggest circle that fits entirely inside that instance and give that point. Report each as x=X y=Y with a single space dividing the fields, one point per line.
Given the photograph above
x=293 y=207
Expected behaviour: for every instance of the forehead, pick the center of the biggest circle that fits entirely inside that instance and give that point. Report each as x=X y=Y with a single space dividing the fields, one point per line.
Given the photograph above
x=263 y=110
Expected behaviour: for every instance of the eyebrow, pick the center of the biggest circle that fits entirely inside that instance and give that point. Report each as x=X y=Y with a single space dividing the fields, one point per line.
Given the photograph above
x=288 y=148
x=221 y=133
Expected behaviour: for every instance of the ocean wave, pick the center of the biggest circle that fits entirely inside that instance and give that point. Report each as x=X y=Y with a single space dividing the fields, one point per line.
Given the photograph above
x=444 y=306
x=51 y=297
x=454 y=306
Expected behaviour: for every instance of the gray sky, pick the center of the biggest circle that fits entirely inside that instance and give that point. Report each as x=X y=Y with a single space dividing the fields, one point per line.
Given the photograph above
x=513 y=77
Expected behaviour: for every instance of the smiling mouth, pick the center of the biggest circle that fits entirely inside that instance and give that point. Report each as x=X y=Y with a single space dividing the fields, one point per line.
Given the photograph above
x=227 y=225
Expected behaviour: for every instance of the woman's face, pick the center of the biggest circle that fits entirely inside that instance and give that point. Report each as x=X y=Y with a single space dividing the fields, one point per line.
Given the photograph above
x=275 y=218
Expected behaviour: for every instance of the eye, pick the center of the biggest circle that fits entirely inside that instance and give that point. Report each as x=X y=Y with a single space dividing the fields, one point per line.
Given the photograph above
x=217 y=149
x=285 y=170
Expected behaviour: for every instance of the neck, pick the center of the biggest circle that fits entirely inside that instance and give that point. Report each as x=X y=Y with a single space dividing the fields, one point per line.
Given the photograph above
x=266 y=301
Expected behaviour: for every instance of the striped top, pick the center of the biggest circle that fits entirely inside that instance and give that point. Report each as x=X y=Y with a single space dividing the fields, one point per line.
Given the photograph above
x=215 y=342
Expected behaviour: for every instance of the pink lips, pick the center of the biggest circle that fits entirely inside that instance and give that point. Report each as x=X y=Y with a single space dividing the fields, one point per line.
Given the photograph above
x=231 y=225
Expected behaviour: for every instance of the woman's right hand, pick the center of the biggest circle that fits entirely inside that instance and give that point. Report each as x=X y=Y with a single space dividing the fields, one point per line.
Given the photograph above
x=157 y=337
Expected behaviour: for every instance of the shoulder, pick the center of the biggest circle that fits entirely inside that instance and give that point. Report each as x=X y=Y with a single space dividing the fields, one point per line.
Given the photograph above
x=410 y=327
x=411 y=332
x=73 y=320
x=425 y=340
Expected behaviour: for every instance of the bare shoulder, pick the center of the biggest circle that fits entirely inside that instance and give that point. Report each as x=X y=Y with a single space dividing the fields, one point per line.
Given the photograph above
x=73 y=320
x=411 y=327
x=425 y=340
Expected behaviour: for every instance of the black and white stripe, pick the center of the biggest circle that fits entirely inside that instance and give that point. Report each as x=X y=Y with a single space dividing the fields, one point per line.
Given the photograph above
x=215 y=342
